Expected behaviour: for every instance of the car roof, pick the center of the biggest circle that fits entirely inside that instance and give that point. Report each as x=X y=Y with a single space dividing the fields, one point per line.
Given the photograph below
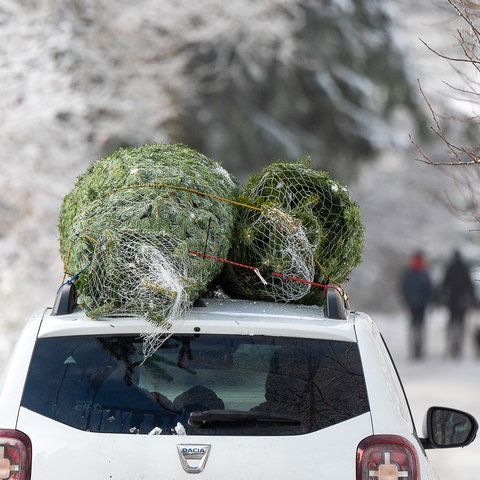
x=216 y=315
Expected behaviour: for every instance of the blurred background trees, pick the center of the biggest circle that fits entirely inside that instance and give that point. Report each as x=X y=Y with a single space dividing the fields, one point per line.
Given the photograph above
x=245 y=82
x=327 y=84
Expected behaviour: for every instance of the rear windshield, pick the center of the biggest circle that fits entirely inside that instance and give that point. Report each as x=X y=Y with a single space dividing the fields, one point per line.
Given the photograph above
x=199 y=385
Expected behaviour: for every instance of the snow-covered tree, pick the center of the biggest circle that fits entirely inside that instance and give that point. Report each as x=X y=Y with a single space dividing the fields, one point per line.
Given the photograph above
x=457 y=128
x=245 y=81
x=294 y=78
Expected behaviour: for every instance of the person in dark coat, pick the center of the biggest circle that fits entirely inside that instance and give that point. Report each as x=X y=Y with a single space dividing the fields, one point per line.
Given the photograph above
x=457 y=293
x=417 y=292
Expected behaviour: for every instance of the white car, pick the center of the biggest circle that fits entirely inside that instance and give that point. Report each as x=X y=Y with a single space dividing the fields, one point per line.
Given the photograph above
x=239 y=390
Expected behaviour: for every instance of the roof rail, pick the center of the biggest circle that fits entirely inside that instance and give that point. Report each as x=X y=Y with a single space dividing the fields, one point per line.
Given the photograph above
x=66 y=299
x=335 y=304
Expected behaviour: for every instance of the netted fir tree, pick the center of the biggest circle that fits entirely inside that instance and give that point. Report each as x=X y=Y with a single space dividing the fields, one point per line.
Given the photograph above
x=298 y=229
x=131 y=222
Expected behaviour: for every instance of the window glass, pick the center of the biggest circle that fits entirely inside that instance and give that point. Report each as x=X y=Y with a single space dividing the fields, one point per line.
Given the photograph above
x=234 y=385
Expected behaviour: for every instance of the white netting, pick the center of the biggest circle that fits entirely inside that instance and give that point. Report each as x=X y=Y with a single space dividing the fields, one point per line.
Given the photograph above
x=136 y=215
x=300 y=225
x=289 y=252
x=134 y=273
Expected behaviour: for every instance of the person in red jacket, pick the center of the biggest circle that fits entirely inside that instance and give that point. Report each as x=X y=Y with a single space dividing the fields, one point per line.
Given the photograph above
x=417 y=292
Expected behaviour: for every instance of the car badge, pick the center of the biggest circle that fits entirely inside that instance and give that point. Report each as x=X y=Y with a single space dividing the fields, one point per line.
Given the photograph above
x=193 y=456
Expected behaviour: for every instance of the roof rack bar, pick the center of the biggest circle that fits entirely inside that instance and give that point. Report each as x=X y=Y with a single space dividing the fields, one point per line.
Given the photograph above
x=335 y=304
x=66 y=299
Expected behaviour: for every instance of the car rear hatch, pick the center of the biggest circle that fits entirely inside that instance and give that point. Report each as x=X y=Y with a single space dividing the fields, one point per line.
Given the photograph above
x=230 y=393
x=63 y=452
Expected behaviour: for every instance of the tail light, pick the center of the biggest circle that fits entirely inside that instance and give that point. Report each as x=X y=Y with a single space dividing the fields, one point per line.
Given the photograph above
x=15 y=455
x=387 y=457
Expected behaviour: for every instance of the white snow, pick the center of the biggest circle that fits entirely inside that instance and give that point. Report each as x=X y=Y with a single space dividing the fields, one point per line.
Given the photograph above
x=180 y=429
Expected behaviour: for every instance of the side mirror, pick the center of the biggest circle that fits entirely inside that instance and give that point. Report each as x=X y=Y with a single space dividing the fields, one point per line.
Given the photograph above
x=447 y=428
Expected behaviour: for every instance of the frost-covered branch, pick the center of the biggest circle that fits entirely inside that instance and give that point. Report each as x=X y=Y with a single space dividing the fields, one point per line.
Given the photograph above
x=463 y=152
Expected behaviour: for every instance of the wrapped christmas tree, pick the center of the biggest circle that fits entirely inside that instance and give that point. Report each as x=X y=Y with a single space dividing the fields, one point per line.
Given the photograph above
x=131 y=221
x=298 y=228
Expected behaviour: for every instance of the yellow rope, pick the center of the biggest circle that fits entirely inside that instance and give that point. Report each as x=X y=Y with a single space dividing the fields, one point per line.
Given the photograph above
x=185 y=189
x=215 y=197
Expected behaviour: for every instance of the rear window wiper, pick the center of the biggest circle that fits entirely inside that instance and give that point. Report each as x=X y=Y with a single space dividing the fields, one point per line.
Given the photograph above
x=199 y=419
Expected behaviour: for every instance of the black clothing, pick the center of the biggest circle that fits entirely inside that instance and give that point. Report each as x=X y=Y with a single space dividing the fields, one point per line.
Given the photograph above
x=457 y=293
x=417 y=292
